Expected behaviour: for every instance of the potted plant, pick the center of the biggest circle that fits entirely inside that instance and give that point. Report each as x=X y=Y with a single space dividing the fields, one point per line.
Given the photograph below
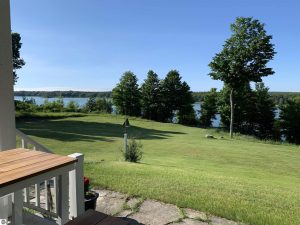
x=90 y=197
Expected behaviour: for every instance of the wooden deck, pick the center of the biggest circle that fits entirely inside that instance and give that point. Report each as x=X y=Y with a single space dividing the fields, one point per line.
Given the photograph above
x=23 y=169
x=20 y=164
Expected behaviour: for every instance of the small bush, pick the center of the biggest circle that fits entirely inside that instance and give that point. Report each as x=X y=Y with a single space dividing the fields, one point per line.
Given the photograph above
x=134 y=152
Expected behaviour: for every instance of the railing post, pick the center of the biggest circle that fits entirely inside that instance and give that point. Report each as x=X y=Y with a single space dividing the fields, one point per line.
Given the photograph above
x=37 y=194
x=46 y=196
x=5 y=206
x=24 y=143
x=17 y=217
x=76 y=186
x=63 y=209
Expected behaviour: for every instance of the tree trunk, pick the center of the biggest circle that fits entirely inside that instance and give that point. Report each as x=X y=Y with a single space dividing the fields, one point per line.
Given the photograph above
x=231 y=113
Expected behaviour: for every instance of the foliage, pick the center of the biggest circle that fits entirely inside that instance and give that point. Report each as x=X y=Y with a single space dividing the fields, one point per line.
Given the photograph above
x=176 y=97
x=18 y=62
x=26 y=105
x=264 y=114
x=103 y=105
x=72 y=106
x=151 y=97
x=254 y=111
x=90 y=106
x=244 y=105
x=209 y=108
x=170 y=91
x=244 y=57
x=186 y=113
x=55 y=106
x=290 y=120
x=133 y=152
x=126 y=95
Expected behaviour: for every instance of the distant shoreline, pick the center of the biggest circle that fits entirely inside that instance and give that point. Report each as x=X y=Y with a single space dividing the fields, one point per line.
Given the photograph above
x=198 y=96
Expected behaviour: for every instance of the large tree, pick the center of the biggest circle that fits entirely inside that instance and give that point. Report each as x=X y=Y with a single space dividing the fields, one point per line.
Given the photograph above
x=126 y=95
x=244 y=57
x=150 y=96
x=18 y=62
x=176 y=97
x=170 y=89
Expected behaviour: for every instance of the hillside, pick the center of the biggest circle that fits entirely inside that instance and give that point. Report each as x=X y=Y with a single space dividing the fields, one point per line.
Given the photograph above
x=241 y=179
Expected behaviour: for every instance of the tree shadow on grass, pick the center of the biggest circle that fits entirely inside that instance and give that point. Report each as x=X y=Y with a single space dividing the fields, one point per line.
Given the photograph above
x=72 y=130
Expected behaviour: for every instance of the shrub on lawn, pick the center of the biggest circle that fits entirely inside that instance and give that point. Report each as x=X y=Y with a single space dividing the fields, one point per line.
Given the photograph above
x=134 y=151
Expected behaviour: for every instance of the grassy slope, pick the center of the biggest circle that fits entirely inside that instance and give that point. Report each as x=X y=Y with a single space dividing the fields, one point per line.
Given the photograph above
x=240 y=179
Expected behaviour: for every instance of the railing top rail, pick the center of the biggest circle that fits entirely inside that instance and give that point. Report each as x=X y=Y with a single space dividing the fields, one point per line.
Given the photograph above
x=29 y=140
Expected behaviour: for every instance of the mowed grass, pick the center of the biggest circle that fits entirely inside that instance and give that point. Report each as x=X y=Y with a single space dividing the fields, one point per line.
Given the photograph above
x=240 y=179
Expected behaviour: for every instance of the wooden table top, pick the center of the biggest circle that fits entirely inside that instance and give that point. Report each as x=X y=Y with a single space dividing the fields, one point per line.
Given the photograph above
x=19 y=164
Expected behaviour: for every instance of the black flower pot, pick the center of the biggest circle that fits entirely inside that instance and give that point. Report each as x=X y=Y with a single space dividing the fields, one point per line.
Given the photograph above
x=90 y=200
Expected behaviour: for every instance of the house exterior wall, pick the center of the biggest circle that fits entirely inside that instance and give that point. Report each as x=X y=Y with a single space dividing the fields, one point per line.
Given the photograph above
x=7 y=112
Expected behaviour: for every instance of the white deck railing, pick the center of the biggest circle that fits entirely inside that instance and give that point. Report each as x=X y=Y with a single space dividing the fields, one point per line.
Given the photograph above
x=43 y=197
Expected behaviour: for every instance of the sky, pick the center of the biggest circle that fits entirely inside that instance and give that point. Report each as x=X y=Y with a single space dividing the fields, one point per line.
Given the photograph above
x=88 y=44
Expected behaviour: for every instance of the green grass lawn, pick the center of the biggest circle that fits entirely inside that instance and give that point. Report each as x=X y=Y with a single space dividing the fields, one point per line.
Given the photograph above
x=240 y=179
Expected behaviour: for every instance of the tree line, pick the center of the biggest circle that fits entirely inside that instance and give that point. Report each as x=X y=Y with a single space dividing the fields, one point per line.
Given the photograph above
x=64 y=94
x=156 y=99
x=93 y=105
x=278 y=98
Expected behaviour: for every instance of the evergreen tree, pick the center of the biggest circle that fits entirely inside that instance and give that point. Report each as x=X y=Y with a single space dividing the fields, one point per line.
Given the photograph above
x=126 y=95
x=150 y=97
x=186 y=113
x=264 y=112
x=170 y=92
x=290 y=120
x=176 y=97
x=90 y=106
x=103 y=105
x=209 y=108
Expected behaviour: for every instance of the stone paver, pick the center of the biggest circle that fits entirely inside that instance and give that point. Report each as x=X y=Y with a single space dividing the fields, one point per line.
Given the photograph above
x=133 y=202
x=193 y=214
x=125 y=213
x=151 y=212
x=221 y=221
x=156 y=213
x=189 y=222
x=110 y=202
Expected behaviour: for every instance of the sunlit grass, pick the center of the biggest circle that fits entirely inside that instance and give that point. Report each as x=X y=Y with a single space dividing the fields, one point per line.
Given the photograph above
x=241 y=179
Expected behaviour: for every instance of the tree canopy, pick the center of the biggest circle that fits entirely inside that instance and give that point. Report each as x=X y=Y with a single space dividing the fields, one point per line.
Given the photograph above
x=150 y=96
x=209 y=108
x=244 y=57
x=290 y=120
x=126 y=95
x=18 y=62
